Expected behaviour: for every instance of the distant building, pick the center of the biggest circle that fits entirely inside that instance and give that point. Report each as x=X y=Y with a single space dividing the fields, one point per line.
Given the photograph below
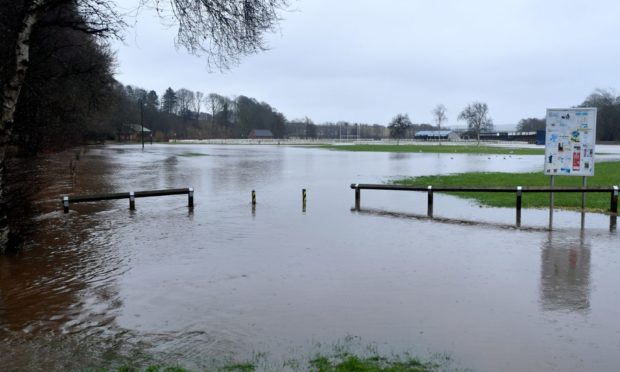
x=529 y=137
x=540 y=137
x=427 y=135
x=133 y=132
x=260 y=134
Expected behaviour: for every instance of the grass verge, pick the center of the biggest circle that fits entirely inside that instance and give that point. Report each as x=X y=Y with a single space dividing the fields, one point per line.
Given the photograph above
x=445 y=149
x=607 y=174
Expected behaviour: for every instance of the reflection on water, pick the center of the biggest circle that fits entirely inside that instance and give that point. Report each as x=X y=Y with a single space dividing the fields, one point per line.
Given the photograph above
x=229 y=279
x=565 y=274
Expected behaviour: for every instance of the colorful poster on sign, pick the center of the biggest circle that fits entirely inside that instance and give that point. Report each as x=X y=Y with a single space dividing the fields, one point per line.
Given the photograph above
x=570 y=140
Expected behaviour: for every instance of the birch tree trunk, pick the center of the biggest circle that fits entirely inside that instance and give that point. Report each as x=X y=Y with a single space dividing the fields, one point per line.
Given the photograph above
x=10 y=96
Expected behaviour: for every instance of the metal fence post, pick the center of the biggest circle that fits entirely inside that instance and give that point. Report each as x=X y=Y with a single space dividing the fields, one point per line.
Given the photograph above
x=613 y=216
x=190 y=197
x=614 y=200
x=65 y=204
x=357 y=197
x=429 y=210
x=519 y=202
x=132 y=200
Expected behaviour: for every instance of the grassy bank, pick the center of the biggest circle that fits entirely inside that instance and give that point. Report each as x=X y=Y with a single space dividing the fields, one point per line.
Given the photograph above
x=444 y=149
x=607 y=174
x=347 y=355
x=338 y=363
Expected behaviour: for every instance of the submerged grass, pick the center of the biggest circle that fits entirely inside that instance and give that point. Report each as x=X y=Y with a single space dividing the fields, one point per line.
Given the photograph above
x=444 y=149
x=190 y=154
x=607 y=174
x=351 y=363
x=349 y=354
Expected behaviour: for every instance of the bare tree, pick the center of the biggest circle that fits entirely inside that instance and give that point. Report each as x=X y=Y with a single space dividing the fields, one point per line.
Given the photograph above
x=476 y=115
x=221 y=30
x=198 y=100
x=440 y=116
x=398 y=126
x=185 y=101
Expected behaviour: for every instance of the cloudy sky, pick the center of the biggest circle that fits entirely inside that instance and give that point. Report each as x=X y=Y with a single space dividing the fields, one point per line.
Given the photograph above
x=365 y=61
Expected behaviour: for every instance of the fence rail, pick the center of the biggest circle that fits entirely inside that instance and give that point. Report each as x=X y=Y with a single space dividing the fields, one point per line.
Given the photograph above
x=131 y=195
x=518 y=191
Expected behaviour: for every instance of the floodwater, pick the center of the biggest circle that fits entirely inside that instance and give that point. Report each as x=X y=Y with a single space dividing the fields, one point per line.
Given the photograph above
x=103 y=285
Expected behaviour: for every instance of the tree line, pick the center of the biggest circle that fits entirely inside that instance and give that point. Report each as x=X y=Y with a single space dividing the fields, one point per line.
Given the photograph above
x=607 y=103
x=56 y=70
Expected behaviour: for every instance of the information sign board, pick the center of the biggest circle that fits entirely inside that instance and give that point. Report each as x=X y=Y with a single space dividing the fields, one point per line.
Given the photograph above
x=570 y=140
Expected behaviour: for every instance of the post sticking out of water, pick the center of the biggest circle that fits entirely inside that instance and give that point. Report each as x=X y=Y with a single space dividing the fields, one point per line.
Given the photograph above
x=429 y=210
x=357 y=197
x=551 y=184
x=584 y=184
x=519 y=200
x=253 y=197
x=613 y=218
x=65 y=204
x=190 y=198
x=303 y=199
x=132 y=200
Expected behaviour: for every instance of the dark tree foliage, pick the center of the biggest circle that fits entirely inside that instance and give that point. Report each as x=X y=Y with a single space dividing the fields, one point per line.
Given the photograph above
x=531 y=125
x=399 y=126
x=608 y=114
x=169 y=101
x=152 y=101
x=298 y=128
x=68 y=87
x=250 y=115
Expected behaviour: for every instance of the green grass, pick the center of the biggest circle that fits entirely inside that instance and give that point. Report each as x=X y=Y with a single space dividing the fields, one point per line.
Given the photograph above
x=444 y=149
x=190 y=154
x=349 y=354
x=353 y=363
x=607 y=174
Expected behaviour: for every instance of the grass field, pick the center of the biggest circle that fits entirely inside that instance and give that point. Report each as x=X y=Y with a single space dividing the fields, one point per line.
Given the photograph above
x=444 y=149
x=607 y=174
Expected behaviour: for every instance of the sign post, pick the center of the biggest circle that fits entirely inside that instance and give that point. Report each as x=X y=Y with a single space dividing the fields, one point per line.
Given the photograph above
x=569 y=149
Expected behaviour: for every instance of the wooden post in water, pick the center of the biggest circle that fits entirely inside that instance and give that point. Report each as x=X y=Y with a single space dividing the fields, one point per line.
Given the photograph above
x=65 y=204
x=357 y=197
x=253 y=197
x=429 y=210
x=303 y=200
x=190 y=198
x=519 y=203
x=132 y=200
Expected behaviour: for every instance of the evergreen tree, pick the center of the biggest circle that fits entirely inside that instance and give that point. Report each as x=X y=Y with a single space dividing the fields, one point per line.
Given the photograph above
x=169 y=101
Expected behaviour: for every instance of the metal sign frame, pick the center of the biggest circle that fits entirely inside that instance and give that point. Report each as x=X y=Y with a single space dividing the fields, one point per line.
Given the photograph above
x=570 y=142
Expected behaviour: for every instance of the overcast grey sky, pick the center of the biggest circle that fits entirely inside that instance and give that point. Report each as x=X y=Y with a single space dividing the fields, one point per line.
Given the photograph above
x=365 y=61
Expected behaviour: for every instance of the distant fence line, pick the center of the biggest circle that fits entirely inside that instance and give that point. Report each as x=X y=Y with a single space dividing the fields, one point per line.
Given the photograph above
x=331 y=141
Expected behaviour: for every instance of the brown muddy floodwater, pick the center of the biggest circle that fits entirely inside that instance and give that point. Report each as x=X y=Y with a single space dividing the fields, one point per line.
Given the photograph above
x=104 y=286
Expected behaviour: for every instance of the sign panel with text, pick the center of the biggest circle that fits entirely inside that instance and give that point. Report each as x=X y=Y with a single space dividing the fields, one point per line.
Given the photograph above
x=570 y=140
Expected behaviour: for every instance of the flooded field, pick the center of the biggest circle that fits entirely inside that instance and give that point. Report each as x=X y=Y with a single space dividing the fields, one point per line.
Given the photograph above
x=103 y=285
